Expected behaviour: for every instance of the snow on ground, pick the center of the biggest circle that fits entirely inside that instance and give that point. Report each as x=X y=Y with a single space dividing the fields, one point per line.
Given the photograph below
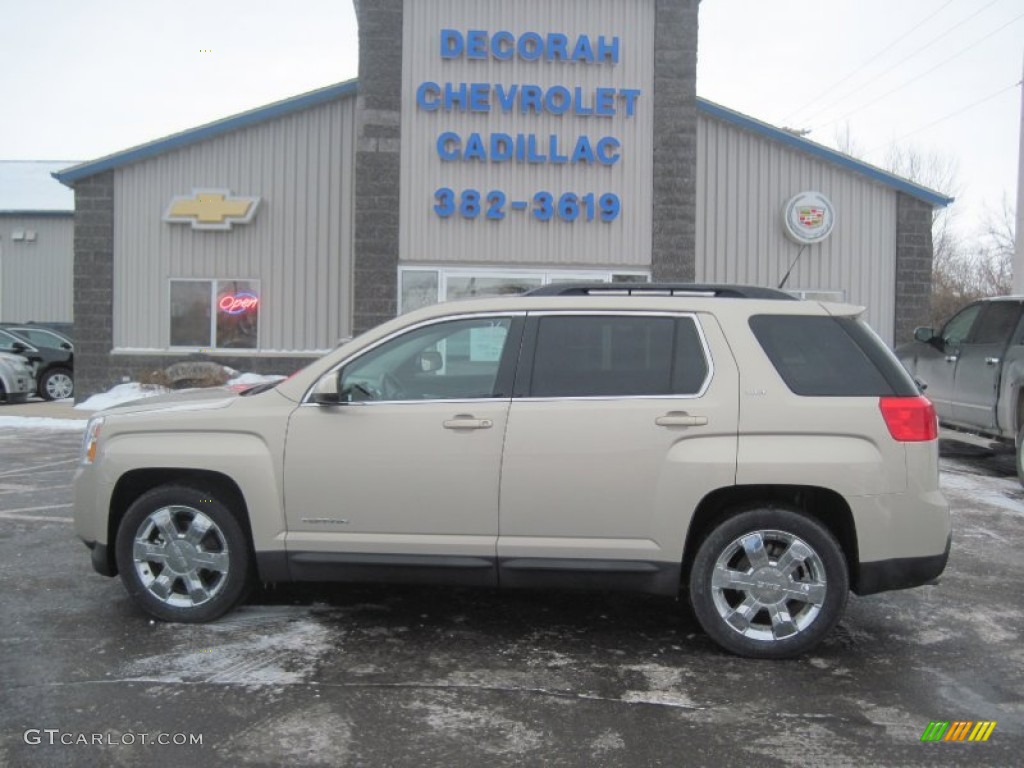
x=40 y=422
x=1001 y=492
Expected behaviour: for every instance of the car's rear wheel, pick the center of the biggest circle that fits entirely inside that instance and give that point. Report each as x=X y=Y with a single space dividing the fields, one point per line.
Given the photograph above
x=769 y=583
x=183 y=555
x=57 y=384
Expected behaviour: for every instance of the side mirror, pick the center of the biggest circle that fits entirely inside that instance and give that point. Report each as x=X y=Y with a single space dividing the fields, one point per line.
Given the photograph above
x=326 y=390
x=924 y=334
x=19 y=347
x=65 y=345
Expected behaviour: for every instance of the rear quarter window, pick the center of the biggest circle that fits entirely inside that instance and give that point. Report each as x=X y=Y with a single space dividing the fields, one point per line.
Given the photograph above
x=830 y=357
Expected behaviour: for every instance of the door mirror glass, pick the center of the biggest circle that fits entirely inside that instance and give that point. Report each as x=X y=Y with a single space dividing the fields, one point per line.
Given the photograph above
x=924 y=334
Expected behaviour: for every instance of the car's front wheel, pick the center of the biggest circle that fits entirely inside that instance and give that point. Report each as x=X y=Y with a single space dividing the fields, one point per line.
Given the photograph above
x=769 y=583
x=57 y=384
x=183 y=555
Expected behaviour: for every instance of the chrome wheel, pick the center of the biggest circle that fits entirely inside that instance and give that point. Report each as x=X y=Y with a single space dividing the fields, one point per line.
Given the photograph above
x=181 y=556
x=58 y=385
x=768 y=582
x=768 y=585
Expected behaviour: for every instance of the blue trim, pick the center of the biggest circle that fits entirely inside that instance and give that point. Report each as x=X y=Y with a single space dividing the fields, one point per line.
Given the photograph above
x=39 y=214
x=813 y=148
x=178 y=140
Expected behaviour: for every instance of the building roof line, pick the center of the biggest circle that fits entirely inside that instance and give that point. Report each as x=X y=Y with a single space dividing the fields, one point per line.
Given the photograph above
x=69 y=176
x=899 y=183
x=41 y=213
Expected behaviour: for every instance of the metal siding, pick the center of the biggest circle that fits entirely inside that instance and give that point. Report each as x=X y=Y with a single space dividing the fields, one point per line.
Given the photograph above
x=519 y=239
x=743 y=182
x=36 y=277
x=298 y=245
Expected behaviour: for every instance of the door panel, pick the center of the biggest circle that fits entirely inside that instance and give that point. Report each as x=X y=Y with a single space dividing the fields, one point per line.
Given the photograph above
x=408 y=463
x=392 y=478
x=598 y=478
x=979 y=364
x=936 y=366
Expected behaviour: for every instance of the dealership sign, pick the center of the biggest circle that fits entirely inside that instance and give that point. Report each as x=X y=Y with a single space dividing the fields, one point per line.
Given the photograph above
x=519 y=103
x=808 y=218
x=211 y=209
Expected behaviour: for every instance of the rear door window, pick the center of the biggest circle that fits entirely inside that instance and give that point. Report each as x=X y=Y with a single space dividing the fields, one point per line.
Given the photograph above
x=617 y=356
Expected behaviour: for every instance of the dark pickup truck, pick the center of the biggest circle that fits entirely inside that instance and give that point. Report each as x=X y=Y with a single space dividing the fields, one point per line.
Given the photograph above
x=973 y=370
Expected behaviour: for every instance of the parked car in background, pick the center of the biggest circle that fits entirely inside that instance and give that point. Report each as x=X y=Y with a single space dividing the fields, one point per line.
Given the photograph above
x=54 y=366
x=973 y=372
x=17 y=379
x=40 y=335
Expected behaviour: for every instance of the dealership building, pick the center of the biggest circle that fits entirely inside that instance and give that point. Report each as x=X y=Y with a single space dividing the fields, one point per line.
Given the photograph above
x=36 y=237
x=485 y=148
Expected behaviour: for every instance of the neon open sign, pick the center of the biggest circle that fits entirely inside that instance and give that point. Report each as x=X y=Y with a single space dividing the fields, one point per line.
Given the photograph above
x=237 y=303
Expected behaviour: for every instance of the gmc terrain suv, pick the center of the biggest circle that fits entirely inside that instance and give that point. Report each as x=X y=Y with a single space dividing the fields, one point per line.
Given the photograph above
x=762 y=455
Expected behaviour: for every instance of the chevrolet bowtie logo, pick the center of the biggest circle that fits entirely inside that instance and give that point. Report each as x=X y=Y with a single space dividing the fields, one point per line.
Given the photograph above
x=211 y=209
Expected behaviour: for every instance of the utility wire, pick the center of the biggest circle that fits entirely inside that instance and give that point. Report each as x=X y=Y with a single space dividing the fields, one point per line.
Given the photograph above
x=942 y=63
x=960 y=111
x=853 y=72
x=905 y=59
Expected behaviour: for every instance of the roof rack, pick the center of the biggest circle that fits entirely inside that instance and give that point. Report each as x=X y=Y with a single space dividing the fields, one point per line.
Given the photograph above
x=661 y=289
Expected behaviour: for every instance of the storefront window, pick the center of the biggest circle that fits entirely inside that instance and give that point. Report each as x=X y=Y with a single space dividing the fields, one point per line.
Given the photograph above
x=220 y=314
x=190 y=313
x=421 y=287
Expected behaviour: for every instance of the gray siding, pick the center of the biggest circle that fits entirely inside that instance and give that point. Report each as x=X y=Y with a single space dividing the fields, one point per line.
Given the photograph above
x=743 y=182
x=298 y=246
x=519 y=238
x=36 y=277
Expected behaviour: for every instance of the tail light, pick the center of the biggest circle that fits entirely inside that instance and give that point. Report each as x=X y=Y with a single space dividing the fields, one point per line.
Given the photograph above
x=910 y=419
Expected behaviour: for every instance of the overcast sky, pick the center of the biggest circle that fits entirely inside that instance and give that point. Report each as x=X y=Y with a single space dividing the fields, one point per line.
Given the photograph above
x=80 y=79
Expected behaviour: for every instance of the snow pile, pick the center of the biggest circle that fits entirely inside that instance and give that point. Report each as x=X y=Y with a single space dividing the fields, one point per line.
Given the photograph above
x=122 y=393
x=246 y=380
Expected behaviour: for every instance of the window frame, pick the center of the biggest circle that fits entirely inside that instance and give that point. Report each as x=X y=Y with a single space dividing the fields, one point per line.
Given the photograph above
x=214 y=283
x=510 y=356
x=524 y=373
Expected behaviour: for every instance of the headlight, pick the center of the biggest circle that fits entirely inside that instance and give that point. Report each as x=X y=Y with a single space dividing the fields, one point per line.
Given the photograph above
x=91 y=441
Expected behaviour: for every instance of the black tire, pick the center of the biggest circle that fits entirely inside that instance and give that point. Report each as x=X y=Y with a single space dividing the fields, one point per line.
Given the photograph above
x=57 y=384
x=205 y=573
x=750 y=619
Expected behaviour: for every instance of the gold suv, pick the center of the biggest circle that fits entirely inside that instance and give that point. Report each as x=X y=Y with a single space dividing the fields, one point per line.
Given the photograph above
x=762 y=455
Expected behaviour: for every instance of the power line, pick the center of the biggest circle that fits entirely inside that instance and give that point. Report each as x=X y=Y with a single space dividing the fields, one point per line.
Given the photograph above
x=942 y=63
x=905 y=59
x=960 y=111
x=863 y=64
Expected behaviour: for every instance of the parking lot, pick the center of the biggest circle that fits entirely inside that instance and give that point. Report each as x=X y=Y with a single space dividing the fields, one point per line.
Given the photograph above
x=343 y=675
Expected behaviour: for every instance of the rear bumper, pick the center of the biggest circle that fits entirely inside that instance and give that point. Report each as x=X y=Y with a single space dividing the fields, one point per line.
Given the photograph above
x=900 y=573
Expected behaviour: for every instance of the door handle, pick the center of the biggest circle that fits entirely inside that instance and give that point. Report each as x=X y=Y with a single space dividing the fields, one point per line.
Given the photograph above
x=678 y=419
x=991 y=361
x=467 y=422
x=951 y=358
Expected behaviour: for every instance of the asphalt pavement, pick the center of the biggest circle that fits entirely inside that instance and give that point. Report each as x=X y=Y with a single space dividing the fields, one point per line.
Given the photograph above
x=394 y=676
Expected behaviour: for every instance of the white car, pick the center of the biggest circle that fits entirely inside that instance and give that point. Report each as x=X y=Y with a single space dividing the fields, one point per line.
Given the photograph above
x=17 y=380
